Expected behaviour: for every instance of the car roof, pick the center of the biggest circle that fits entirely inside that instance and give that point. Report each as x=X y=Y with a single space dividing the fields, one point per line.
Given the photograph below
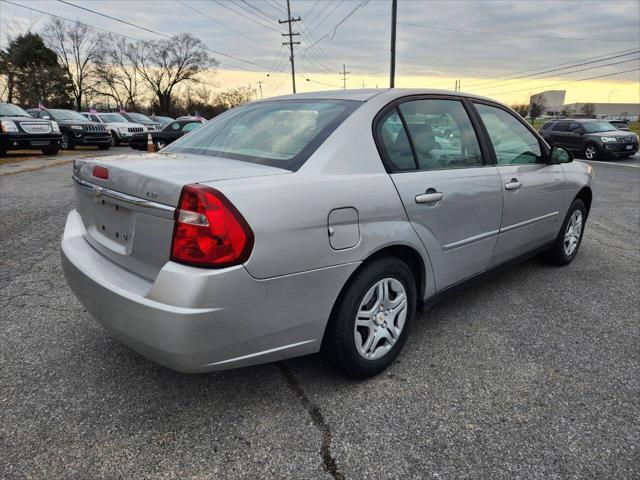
x=365 y=94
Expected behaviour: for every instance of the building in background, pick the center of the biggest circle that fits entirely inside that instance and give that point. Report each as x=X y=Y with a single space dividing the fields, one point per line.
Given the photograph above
x=553 y=100
x=609 y=111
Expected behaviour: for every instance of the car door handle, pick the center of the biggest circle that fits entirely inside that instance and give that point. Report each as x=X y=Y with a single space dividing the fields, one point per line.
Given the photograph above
x=514 y=184
x=429 y=197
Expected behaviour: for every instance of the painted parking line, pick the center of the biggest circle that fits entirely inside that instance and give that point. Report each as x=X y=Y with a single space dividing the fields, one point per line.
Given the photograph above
x=612 y=163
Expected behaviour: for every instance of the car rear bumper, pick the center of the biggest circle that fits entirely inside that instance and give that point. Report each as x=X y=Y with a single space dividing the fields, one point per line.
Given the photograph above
x=197 y=320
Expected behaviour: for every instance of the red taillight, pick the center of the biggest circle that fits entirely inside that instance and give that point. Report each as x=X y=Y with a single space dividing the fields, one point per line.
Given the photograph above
x=101 y=172
x=209 y=231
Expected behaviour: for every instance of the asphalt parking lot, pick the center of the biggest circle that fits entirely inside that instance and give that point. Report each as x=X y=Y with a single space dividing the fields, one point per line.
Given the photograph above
x=535 y=373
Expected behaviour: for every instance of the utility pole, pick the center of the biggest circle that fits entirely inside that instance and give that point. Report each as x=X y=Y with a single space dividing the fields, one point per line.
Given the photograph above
x=260 y=85
x=455 y=89
x=344 y=74
x=392 y=70
x=459 y=84
x=291 y=43
x=363 y=83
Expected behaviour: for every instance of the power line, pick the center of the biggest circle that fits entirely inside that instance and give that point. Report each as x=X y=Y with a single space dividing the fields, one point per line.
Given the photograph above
x=252 y=19
x=570 y=81
x=574 y=71
x=217 y=52
x=569 y=65
x=326 y=5
x=315 y=27
x=222 y=24
x=504 y=34
x=572 y=65
x=335 y=28
x=261 y=13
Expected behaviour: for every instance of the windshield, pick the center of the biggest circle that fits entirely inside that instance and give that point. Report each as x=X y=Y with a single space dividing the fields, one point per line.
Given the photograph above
x=138 y=117
x=112 y=117
x=593 y=127
x=8 y=110
x=280 y=133
x=66 y=115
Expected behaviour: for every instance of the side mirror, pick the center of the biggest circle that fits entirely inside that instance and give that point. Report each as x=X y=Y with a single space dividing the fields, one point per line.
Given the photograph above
x=46 y=117
x=560 y=155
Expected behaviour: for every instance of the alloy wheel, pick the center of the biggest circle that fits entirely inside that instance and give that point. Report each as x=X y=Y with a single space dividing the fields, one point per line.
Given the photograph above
x=64 y=141
x=590 y=152
x=380 y=318
x=572 y=233
x=160 y=144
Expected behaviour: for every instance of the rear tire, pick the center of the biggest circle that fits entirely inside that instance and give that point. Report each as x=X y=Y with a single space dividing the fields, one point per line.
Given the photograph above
x=382 y=299
x=567 y=243
x=591 y=152
x=106 y=146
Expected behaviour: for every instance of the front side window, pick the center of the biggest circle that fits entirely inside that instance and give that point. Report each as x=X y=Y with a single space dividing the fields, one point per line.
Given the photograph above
x=138 y=117
x=512 y=142
x=280 y=133
x=594 y=127
x=442 y=134
x=561 y=127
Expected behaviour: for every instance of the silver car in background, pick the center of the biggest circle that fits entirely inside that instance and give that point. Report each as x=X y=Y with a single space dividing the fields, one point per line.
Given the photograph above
x=314 y=222
x=121 y=129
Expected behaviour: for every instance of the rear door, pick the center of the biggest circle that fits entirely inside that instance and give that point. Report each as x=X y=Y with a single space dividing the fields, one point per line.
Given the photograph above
x=452 y=197
x=532 y=189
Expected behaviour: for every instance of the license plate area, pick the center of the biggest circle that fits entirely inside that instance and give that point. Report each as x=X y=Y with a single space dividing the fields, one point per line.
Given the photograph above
x=39 y=143
x=629 y=147
x=113 y=225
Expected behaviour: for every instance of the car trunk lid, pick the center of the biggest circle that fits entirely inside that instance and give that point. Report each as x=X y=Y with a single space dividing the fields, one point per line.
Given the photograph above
x=128 y=216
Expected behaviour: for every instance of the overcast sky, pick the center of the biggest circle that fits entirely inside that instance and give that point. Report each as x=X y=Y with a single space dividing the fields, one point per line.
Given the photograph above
x=437 y=41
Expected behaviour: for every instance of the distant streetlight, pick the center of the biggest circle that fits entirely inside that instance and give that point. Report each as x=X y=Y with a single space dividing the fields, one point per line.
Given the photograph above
x=610 y=93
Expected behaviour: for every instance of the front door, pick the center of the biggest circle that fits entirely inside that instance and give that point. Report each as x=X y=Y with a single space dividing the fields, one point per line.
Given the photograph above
x=452 y=198
x=532 y=189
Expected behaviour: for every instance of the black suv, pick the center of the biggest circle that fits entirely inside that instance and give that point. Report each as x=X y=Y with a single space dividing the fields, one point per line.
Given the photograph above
x=590 y=137
x=76 y=130
x=20 y=131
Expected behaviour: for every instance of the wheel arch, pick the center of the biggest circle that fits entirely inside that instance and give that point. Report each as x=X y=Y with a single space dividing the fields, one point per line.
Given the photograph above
x=586 y=195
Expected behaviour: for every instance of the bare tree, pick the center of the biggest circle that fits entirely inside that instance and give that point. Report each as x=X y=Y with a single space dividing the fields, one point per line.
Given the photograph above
x=78 y=50
x=167 y=64
x=116 y=77
x=566 y=111
x=588 y=109
x=522 y=110
x=537 y=107
x=235 y=97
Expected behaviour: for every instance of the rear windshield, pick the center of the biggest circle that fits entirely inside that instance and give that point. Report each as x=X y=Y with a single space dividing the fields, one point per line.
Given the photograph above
x=281 y=133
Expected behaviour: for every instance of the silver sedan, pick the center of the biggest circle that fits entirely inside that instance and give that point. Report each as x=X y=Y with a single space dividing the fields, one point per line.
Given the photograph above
x=315 y=222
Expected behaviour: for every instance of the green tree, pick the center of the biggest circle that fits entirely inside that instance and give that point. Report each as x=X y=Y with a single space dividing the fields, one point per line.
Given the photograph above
x=36 y=74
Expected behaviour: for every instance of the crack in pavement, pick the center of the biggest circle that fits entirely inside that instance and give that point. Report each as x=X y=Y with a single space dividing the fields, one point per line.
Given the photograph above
x=328 y=460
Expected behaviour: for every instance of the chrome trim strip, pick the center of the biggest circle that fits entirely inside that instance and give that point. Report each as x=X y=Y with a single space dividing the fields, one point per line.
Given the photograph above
x=123 y=197
x=528 y=222
x=467 y=241
x=257 y=354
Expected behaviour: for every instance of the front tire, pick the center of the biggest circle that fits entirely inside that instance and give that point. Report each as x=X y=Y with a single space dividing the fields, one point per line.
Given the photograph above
x=371 y=319
x=50 y=151
x=105 y=146
x=66 y=143
x=567 y=243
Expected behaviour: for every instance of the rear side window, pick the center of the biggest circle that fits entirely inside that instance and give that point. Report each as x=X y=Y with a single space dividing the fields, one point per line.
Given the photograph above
x=513 y=143
x=395 y=143
x=279 y=133
x=191 y=126
x=546 y=126
x=442 y=134
x=561 y=127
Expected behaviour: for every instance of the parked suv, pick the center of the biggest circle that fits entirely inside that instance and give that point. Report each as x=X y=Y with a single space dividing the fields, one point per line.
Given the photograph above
x=164 y=137
x=20 y=131
x=590 y=137
x=142 y=119
x=76 y=130
x=121 y=129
